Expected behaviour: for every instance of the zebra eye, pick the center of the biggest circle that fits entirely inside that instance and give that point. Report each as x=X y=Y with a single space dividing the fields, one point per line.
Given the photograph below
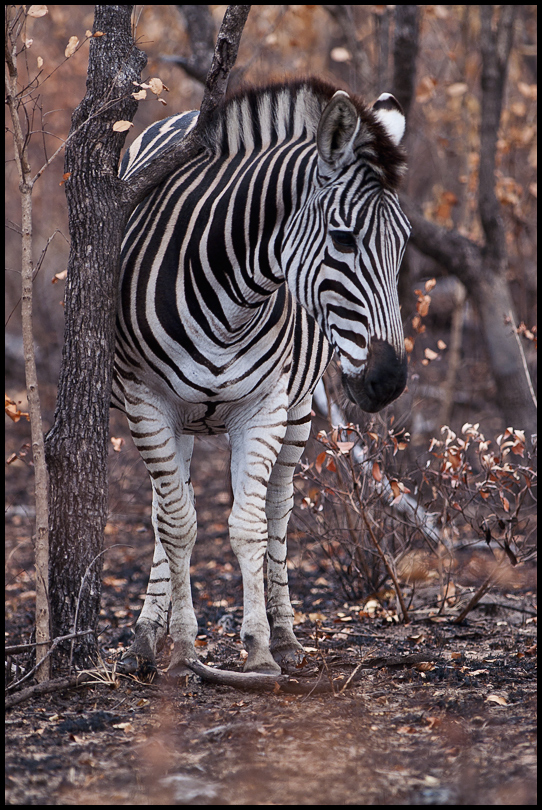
x=343 y=241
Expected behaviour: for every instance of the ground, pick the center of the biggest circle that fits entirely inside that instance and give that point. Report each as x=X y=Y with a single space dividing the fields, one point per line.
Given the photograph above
x=458 y=729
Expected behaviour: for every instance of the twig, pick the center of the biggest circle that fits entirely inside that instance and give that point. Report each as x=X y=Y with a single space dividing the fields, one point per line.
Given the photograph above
x=388 y=567
x=351 y=677
x=47 y=655
x=74 y=634
x=21 y=648
x=480 y=592
x=523 y=360
x=45 y=687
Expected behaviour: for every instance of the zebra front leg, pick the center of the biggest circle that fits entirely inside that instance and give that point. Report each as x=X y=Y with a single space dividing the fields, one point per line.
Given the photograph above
x=256 y=441
x=167 y=458
x=285 y=648
x=151 y=627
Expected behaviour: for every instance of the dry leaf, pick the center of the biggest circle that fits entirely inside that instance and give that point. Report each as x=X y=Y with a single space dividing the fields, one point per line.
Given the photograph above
x=497 y=699
x=122 y=126
x=345 y=447
x=13 y=411
x=126 y=727
x=425 y=89
x=156 y=86
x=422 y=305
x=457 y=89
x=377 y=474
x=71 y=47
x=425 y=666
x=117 y=444
x=397 y=492
x=320 y=459
x=340 y=55
x=430 y=284
x=37 y=11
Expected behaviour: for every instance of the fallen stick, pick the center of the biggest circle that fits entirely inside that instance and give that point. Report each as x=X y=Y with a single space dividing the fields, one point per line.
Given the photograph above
x=254 y=681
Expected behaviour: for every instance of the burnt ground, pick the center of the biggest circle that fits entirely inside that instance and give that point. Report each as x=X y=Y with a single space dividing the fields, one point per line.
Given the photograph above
x=457 y=730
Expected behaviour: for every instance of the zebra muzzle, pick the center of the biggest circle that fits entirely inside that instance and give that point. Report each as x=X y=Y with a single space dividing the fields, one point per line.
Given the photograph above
x=381 y=381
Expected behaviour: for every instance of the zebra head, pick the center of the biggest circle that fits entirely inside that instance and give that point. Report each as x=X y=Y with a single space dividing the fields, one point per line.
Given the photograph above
x=344 y=246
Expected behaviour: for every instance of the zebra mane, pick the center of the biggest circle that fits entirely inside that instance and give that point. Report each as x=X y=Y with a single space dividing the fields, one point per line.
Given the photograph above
x=257 y=117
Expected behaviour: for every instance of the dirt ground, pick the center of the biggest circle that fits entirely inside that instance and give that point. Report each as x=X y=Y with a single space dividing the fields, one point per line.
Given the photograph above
x=457 y=730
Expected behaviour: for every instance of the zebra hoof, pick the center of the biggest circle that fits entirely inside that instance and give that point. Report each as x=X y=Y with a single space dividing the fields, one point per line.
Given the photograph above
x=290 y=659
x=261 y=662
x=137 y=665
x=182 y=651
x=179 y=670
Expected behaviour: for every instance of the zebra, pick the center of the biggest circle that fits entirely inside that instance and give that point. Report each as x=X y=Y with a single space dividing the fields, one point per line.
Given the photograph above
x=277 y=244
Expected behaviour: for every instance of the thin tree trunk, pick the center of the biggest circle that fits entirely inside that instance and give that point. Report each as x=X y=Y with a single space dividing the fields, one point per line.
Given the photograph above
x=41 y=544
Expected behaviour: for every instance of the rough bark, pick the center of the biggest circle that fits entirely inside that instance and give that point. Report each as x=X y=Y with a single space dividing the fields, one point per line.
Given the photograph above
x=405 y=53
x=76 y=446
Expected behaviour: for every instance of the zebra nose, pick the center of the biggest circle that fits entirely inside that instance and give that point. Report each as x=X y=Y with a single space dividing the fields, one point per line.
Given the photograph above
x=382 y=380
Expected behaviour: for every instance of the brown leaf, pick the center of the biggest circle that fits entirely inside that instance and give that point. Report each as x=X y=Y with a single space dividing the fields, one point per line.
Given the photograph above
x=505 y=502
x=377 y=474
x=71 y=47
x=37 y=11
x=497 y=699
x=13 y=411
x=117 y=443
x=122 y=126
x=319 y=463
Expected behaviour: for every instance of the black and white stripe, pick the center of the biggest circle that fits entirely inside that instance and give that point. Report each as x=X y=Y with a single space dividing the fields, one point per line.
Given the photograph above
x=294 y=183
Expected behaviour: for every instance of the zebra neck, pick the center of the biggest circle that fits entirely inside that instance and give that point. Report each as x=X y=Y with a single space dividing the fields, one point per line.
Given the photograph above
x=242 y=223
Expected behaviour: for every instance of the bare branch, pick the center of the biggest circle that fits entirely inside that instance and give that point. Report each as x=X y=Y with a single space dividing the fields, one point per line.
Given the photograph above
x=226 y=49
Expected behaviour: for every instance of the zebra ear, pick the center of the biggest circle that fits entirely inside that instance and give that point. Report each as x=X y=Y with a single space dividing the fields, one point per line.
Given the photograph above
x=337 y=130
x=390 y=114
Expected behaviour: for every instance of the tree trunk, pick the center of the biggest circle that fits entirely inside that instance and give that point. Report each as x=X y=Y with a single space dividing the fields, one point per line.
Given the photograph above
x=495 y=306
x=76 y=446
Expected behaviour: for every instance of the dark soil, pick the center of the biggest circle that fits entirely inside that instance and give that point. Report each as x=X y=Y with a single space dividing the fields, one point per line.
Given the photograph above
x=457 y=730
